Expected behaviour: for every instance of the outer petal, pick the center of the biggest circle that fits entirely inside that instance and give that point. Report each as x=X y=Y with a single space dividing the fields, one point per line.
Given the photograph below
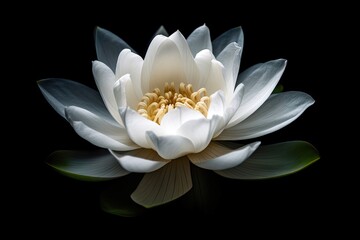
x=88 y=166
x=61 y=93
x=277 y=112
x=141 y=160
x=230 y=58
x=105 y=80
x=130 y=63
x=274 y=160
x=259 y=82
x=170 y=146
x=98 y=131
x=218 y=157
x=199 y=39
x=108 y=47
x=161 y=31
x=232 y=35
x=164 y=185
x=137 y=127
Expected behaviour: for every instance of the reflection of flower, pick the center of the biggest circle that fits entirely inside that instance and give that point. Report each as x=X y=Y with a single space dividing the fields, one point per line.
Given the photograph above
x=157 y=113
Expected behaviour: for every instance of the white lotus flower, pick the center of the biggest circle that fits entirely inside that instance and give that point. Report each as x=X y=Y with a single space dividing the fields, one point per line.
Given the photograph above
x=156 y=115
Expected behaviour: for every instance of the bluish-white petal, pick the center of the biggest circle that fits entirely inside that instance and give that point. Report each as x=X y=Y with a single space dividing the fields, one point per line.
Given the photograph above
x=98 y=131
x=108 y=46
x=277 y=112
x=230 y=58
x=140 y=160
x=219 y=157
x=137 y=127
x=170 y=146
x=130 y=63
x=199 y=39
x=97 y=165
x=259 y=82
x=124 y=92
x=203 y=61
x=61 y=93
x=161 y=31
x=232 y=35
x=164 y=185
x=105 y=80
x=274 y=160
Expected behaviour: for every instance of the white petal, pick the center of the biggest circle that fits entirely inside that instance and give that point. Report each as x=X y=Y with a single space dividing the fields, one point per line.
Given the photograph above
x=164 y=185
x=198 y=132
x=140 y=160
x=105 y=80
x=149 y=60
x=188 y=63
x=230 y=110
x=232 y=35
x=199 y=39
x=161 y=31
x=277 y=112
x=218 y=157
x=230 y=58
x=61 y=93
x=130 y=63
x=258 y=82
x=170 y=146
x=125 y=93
x=137 y=126
x=216 y=81
x=203 y=61
x=99 y=131
x=89 y=166
x=217 y=104
x=108 y=47
x=175 y=118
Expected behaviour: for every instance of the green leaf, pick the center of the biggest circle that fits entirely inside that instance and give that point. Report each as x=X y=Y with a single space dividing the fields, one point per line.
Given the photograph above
x=279 y=88
x=116 y=199
x=274 y=161
x=97 y=165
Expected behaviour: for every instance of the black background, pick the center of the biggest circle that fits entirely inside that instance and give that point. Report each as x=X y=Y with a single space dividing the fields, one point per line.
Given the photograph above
x=56 y=40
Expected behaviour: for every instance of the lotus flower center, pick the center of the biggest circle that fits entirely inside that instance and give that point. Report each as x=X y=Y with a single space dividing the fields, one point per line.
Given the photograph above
x=154 y=105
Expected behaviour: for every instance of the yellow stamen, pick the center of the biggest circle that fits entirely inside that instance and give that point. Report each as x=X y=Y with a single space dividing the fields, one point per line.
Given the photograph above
x=155 y=105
